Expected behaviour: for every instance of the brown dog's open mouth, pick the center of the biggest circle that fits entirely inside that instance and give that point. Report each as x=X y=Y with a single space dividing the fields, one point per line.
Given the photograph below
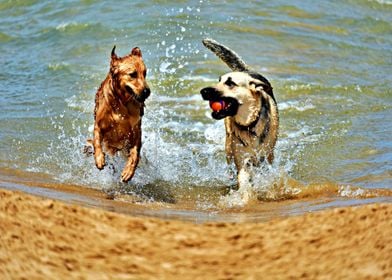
x=221 y=106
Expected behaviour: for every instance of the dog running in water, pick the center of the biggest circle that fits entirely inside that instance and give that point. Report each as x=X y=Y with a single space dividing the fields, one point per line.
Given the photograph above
x=247 y=104
x=119 y=107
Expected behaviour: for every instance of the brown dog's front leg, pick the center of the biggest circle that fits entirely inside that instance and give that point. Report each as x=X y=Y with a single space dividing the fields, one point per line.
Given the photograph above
x=99 y=156
x=130 y=167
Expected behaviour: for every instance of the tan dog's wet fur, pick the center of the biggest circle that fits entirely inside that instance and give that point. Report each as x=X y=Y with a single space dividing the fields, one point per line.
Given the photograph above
x=249 y=108
x=119 y=107
x=244 y=143
x=252 y=126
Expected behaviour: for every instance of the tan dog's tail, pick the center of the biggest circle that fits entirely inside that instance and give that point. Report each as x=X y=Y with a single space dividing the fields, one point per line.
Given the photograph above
x=228 y=56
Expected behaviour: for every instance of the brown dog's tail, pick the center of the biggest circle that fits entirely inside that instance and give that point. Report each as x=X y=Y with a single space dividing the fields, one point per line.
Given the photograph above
x=228 y=56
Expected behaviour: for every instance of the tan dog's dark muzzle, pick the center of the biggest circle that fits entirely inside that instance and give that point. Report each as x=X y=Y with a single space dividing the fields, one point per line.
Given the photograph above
x=210 y=93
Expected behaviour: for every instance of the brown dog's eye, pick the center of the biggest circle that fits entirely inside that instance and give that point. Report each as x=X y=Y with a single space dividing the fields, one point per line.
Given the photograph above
x=133 y=75
x=145 y=73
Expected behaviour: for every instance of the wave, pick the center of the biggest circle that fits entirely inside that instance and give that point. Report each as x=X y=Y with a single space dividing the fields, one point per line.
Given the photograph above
x=67 y=26
x=4 y=38
x=383 y=2
x=61 y=66
x=296 y=105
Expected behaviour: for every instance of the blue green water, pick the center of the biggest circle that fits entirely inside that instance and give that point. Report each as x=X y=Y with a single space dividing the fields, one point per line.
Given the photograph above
x=330 y=63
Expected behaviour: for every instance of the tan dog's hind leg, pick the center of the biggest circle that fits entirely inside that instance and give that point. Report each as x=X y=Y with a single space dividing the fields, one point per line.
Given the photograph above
x=130 y=167
x=99 y=156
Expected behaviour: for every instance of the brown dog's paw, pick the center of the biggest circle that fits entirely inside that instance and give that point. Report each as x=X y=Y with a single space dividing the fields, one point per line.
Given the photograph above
x=100 y=160
x=127 y=174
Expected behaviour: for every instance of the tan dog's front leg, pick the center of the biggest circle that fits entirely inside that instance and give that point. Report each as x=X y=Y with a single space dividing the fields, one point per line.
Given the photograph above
x=130 y=167
x=99 y=156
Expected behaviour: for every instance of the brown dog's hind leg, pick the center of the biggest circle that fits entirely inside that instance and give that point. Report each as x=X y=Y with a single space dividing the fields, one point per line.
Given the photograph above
x=130 y=167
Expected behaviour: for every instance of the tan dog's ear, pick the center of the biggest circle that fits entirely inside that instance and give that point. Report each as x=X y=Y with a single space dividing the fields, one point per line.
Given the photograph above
x=259 y=87
x=136 y=51
x=256 y=85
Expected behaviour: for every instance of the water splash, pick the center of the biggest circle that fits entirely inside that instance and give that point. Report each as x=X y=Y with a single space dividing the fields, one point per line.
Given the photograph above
x=183 y=152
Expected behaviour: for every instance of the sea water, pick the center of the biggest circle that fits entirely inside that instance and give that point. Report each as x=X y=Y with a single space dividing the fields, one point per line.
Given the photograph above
x=329 y=63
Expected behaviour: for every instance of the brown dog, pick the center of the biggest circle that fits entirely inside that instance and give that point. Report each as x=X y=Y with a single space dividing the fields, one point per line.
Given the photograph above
x=119 y=107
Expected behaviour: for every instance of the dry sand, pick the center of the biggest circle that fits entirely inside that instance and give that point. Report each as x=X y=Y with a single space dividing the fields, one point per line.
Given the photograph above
x=46 y=239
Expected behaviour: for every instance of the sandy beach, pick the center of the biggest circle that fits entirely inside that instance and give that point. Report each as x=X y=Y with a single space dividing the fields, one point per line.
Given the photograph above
x=47 y=239
x=321 y=210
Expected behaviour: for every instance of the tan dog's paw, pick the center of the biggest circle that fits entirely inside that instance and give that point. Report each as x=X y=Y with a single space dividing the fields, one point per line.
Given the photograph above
x=127 y=174
x=100 y=160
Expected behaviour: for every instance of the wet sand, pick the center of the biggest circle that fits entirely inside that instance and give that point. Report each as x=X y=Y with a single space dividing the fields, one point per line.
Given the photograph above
x=48 y=239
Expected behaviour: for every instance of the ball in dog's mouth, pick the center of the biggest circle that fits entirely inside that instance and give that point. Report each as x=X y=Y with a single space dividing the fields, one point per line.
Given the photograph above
x=223 y=108
x=217 y=106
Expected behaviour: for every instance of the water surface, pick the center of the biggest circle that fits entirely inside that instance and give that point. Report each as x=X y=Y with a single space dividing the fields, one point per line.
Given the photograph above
x=329 y=63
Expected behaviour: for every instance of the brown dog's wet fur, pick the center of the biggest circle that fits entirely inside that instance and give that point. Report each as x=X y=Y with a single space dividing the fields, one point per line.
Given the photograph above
x=119 y=107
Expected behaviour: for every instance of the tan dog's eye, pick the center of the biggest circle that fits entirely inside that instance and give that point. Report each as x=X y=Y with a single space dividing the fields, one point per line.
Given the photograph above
x=145 y=73
x=133 y=75
x=229 y=82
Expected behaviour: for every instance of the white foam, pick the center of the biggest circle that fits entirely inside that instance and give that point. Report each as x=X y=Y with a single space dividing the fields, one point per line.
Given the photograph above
x=164 y=68
x=300 y=106
x=383 y=2
x=83 y=105
x=300 y=87
x=349 y=191
x=215 y=133
x=198 y=78
x=63 y=26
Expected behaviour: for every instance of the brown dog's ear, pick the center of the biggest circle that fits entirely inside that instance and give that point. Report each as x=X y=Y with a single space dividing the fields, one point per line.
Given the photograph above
x=136 y=51
x=113 y=54
x=114 y=62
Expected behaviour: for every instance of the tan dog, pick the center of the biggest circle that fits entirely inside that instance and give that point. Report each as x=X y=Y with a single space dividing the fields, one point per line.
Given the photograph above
x=119 y=107
x=248 y=105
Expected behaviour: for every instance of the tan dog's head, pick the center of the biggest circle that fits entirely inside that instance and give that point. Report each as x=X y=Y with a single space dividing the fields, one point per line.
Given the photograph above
x=129 y=76
x=240 y=94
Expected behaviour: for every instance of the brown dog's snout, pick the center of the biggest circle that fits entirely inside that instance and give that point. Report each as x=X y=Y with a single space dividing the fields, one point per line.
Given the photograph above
x=145 y=93
x=140 y=97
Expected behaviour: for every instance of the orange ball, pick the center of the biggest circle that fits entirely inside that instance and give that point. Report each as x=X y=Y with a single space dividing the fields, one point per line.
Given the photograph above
x=217 y=105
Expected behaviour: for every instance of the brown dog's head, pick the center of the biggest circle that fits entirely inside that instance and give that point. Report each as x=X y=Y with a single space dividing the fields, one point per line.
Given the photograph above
x=129 y=76
x=240 y=93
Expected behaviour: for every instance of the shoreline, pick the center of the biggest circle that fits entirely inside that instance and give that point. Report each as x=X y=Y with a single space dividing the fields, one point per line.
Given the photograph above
x=312 y=198
x=44 y=238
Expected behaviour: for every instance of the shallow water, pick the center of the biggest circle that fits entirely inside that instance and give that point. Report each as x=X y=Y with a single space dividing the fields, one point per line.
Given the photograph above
x=329 y=64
